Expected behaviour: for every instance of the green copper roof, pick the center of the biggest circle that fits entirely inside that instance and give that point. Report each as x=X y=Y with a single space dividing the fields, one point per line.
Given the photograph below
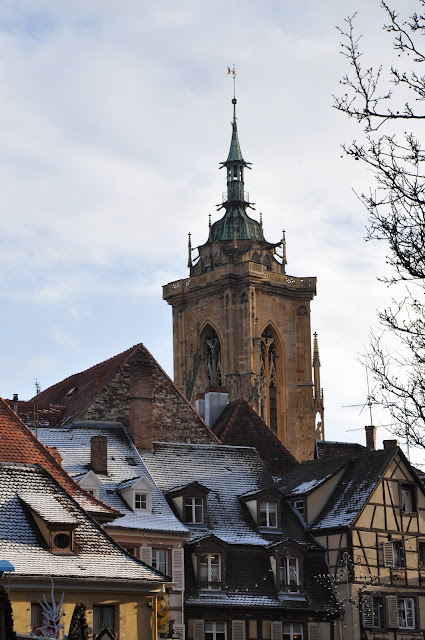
x=235 y=154
x=246 y=227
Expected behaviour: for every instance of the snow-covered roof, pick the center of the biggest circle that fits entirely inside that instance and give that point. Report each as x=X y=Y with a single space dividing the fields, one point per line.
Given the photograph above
x=124 y=466
x=47 y=507
x=96 y=557
x=309 y=475
x=359 y=480
x=227 y=472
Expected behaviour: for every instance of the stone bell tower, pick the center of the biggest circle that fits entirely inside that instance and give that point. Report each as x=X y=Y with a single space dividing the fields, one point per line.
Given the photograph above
x=240 y=322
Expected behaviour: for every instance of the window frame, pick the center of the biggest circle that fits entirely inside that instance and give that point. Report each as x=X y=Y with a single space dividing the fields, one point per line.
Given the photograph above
x=267 y=502
x=421 y=556
x=101 y=608
x=193 y=507
x=208 y=585
x=214 y=633
x=411 y=488
x=399 y=554
x=292 y=635
x=285 y=587
x=412 y=610
x=165 y=562
x=141 y=497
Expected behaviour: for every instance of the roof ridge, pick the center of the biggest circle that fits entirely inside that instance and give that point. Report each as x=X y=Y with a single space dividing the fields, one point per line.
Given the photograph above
x=73 y=375
x=28 y=433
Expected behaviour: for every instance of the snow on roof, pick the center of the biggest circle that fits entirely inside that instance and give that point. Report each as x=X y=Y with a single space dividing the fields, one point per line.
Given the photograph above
x=124 y=465
x=226 y=472
x=305 y=487
x=97 y=556
x=47 y=507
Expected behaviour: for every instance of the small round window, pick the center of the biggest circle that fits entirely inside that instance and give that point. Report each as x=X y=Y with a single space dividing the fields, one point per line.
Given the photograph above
x=62 y=540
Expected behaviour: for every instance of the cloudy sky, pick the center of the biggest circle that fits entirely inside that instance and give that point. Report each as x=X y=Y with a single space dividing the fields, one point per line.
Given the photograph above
x=115 y=115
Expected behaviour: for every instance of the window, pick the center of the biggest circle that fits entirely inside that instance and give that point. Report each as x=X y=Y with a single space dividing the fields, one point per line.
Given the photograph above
x=268 y=514
x=140 y=501
x=288 y=574
x=61 y=541
x=130 y=550
x=159 y=559
x=421 y=554
x=210 y=570
x=215 y=631
x=408 y=498
x=299 y=506
x=399 y=560
x=103 y=618
x=36 y=618
x=194 y=510
x=378 y=612
x=292 y=632
x=406 y=613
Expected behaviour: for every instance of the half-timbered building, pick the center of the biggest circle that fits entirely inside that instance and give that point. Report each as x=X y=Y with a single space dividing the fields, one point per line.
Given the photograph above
x=369 y=513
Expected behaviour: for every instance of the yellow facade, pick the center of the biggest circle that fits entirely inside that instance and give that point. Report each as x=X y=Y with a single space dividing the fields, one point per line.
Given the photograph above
x=135 y=613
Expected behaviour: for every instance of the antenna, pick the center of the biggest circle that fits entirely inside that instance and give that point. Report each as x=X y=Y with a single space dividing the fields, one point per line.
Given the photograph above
x=369 y=402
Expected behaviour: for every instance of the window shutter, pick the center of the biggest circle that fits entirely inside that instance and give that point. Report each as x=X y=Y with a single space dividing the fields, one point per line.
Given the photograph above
x=388 y=549
x=367 y=610
x=179 y=629
x=178 y=570
x=276 y=628
x=146 y=555
x=313 y=631
x=392 y=611
x=198 y=630
x=238 y=629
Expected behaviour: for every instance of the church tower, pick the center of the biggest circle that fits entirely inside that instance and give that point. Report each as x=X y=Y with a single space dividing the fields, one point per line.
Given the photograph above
x=242 y=324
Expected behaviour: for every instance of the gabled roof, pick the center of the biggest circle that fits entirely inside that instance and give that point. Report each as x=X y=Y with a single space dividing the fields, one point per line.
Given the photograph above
x=361 y=476
x=124 y=468
x=18 y=444
x=76 y=392
x=308 y=475
x=240 y=425
x=97 y=556
x=327 y=449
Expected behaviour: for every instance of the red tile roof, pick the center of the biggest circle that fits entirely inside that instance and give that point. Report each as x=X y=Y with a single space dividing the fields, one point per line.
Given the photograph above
x=240 y=425
x=77 y=392
x=18 y=444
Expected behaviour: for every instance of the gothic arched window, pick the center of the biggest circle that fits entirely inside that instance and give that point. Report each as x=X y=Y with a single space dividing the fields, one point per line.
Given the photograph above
x=268 y=378
x=212 y=357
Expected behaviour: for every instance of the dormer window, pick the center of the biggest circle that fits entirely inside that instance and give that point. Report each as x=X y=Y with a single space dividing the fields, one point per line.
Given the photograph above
x=264 y=507
x=190 y=503
x=90 y=482
x=137 y=493
x=61 y=541
x=209 y=563
x=55 y=523
x=210 y=570
x=289 y=574
x=193 y=509
x=287 y=566
x=267 y=514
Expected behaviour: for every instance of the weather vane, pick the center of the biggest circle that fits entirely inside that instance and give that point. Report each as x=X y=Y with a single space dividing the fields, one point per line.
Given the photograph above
x=232 y=72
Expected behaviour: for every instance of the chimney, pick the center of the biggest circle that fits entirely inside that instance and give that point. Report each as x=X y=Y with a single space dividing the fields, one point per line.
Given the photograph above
x=55 y=453
x=370 y=437
x=15 y=403
x=99 y=454
x=391 y=444
x=200 y=404
x=216 y=399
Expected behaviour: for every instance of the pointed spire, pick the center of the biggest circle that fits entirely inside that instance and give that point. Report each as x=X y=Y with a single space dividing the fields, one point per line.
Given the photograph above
x=319 y=408
x=284 y=262
x=189 y=247
x=209 y=227
x=235 y=154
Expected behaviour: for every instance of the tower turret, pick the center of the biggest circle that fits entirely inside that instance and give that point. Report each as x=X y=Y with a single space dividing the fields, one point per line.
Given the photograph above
x=240 y=323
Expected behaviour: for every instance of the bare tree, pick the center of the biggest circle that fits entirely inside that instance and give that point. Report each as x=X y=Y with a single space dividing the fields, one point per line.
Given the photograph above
x=384 y=100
